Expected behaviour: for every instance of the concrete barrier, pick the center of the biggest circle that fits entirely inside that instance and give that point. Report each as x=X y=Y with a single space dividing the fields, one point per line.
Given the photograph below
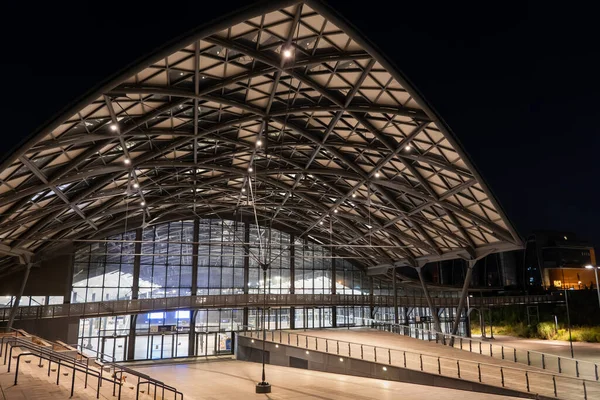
x=247 y=349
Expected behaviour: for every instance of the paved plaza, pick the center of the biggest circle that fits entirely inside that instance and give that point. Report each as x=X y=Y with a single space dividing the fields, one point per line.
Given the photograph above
x=218 y=380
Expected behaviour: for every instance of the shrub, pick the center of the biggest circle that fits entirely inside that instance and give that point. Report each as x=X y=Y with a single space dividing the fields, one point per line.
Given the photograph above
x=546 y=330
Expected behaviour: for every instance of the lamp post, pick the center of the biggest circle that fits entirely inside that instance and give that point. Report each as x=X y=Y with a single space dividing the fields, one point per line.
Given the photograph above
x=263 y=386
x=595 y=268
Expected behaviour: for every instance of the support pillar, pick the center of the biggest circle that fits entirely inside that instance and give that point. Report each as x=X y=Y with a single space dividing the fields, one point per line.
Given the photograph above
x=482 y=321
x=131 y=340
x=461 y=301
x=192 y=334
x=15 y=306
x=434 y=314
x=135 y=287
x=395 y=292
x=195 y=245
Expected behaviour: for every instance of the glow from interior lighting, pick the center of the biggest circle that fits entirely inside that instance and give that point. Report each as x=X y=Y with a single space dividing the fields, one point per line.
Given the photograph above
x=136 y=185
x=341 y=359
x=250 y=169
x=287 y=53
x=377 y=174
x=353 y=195
x=385 y=368
x=335 y=211
x=321 y=223
x=142 y=203
x=307 y=352
x=127 y=161
x=589 y=267
x=113 y=127
x=259 y=142
x=407 y=147
x=243 y=190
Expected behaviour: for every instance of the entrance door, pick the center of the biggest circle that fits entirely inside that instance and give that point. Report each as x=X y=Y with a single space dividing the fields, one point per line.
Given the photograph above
x=206 y=344
x=167 y=346
x=114 y=348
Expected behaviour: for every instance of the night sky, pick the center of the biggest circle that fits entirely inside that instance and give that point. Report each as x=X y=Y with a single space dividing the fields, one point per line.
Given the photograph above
x=516 y=82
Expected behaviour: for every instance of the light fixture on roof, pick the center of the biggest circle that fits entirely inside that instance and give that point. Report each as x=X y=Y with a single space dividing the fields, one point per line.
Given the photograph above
x=259 y=142
x=136 y=185
x=320 y=222
x=127 y=161
x=142 y=203
x=181 y=73
x=113 y=127
x=335 y=211
x=243 y=190
x=250 y=169
x=353 y=195
x=377 y=174
x=287 y=52
x=407 y=147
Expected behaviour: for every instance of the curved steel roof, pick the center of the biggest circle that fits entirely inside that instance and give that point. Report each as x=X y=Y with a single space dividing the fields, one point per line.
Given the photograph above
x=346 y=141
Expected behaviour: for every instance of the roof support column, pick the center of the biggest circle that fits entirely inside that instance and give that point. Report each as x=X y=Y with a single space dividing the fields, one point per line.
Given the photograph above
x=395 y=292
x=135 y=287
x=434 y=314
x=15 y=307
x=463 y=297
x=196 y=233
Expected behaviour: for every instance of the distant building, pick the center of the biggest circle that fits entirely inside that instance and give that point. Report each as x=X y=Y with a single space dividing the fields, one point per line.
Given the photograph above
x=558 y=260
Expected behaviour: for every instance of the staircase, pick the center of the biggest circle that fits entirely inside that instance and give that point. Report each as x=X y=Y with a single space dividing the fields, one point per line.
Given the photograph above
x=43 y=373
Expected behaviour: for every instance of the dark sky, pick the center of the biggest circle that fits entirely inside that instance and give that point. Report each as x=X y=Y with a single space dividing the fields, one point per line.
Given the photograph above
x=517 y=82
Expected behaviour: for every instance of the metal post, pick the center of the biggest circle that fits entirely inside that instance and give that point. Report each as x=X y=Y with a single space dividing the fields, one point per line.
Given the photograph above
x=461 y=302
x=597 y=287
x=491 y=326
x=433 y=310
x=569 y=321
x=15 y=307
x=395 y=291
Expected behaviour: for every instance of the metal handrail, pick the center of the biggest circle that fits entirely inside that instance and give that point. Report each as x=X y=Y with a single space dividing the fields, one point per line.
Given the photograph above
x=544 y=357
x=118 y=369
x=129 y=306
x=578 y=382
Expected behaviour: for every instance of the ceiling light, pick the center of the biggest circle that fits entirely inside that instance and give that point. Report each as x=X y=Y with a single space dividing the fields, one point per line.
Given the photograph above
x=136 y=185
x=307 y=352
x=385 y=368
x=287 y=53
x=321 y=223
x=243 y=190
x=353 y=195
x=127 y=161
x=250 y=169
x=142 y=203
x=341 y=359
x=407 y=147
x=377 y=174
x=113 y=127
x=335 y=211
x=181 y=73
x=259 y=142
x=203 y=77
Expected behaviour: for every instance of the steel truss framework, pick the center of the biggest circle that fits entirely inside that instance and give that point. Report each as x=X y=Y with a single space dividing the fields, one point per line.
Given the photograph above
x=350 y=152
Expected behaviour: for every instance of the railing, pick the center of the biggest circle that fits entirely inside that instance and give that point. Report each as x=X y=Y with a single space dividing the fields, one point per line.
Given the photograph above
x=530 y=381
x=119 y=307
x=545 y=361
x=75 y=365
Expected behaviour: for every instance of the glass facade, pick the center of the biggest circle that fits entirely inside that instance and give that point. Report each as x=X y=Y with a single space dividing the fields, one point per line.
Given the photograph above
x=104 y=271
x=229 y=255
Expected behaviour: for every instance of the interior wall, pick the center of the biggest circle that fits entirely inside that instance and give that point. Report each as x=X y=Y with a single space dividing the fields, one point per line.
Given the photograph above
x=64 y=329
x=50 y=277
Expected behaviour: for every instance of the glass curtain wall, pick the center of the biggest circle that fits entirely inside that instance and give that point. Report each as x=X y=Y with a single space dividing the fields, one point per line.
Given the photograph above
x=166 y=261
x=103 y=271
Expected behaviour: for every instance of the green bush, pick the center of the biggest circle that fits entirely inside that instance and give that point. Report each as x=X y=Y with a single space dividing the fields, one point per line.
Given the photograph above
x=546 y=330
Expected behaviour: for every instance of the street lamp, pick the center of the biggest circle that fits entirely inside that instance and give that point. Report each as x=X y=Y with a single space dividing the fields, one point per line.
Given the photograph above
x=596 y=273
